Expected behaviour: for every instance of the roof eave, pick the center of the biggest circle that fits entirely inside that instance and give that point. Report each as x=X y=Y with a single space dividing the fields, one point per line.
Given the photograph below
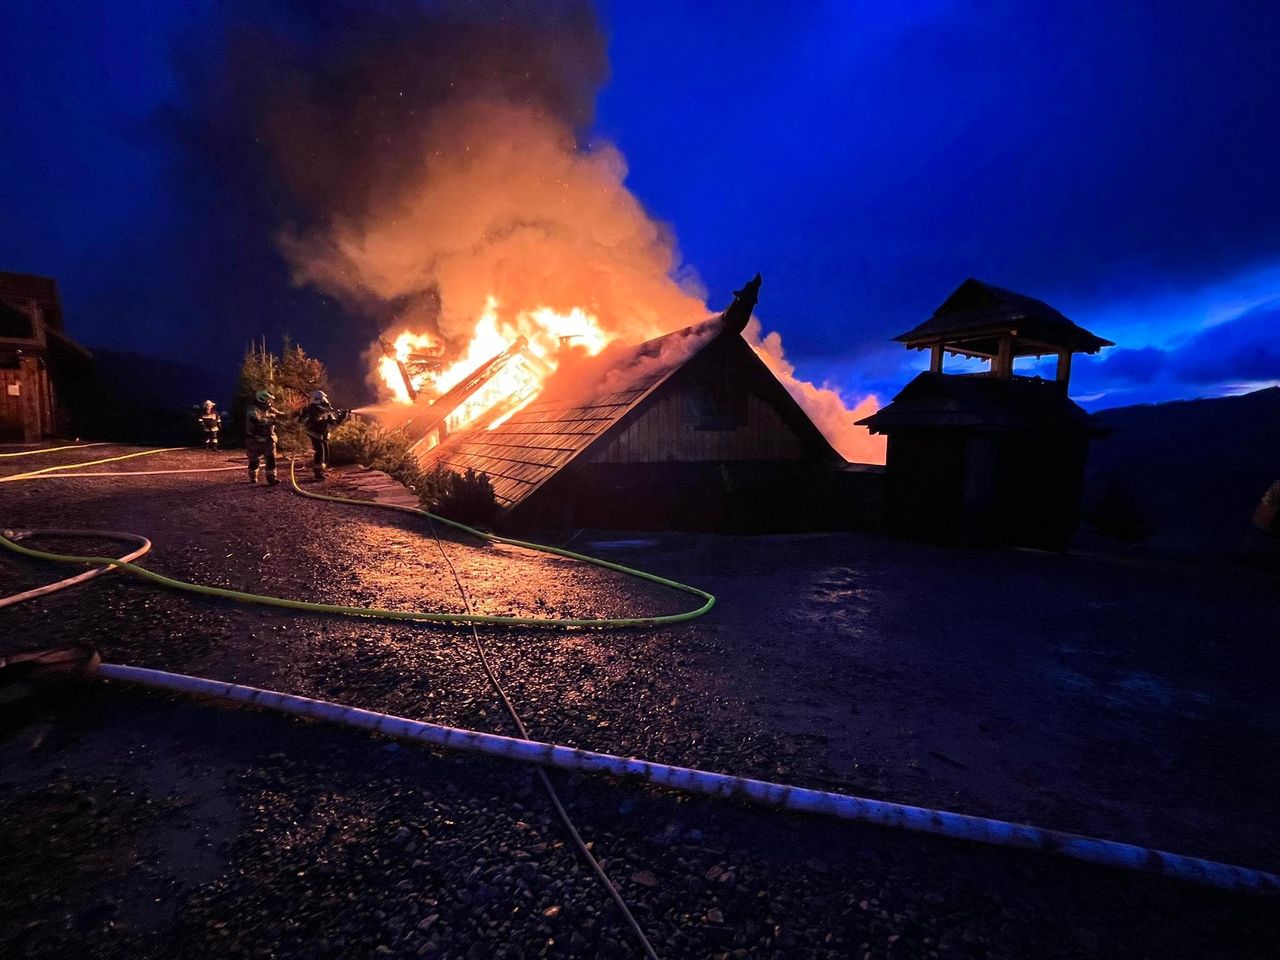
x=1086 y=343
x=68 y=342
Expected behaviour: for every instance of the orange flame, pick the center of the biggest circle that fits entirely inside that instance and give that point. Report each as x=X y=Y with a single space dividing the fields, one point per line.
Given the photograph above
x=544 y=331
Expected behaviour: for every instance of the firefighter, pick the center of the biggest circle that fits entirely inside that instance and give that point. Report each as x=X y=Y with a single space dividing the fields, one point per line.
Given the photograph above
x=211 y=423
x=319 y=417
x=260 y=435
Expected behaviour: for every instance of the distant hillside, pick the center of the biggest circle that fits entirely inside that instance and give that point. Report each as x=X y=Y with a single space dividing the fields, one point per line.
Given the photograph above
x=1197 y=467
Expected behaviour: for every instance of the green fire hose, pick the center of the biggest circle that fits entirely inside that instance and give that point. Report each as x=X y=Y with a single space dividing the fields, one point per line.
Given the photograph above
x=241 y=596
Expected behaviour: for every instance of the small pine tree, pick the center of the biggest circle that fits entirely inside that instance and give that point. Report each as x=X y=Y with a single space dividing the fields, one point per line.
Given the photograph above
x=291 y=377
x=255 y=374
x=297 y=376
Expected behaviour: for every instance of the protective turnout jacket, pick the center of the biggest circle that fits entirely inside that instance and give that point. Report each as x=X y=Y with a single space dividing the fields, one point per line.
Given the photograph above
x=260 y=424
x=318 y=419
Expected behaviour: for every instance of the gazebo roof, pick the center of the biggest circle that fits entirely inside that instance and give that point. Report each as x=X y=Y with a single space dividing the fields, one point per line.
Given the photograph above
x=977 y=314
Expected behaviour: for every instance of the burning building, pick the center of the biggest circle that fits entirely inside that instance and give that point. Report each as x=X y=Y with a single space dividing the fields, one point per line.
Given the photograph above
x=41 y=368
x=689 y=430
x=988 y=456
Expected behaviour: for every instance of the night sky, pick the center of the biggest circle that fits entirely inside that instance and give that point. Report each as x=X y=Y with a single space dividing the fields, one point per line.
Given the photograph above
x=1117 y=160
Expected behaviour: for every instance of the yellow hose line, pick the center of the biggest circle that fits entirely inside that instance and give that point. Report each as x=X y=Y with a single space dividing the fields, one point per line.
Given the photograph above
x=380 y=614
x=30 y=453
x=87 y=463
x=131 y=473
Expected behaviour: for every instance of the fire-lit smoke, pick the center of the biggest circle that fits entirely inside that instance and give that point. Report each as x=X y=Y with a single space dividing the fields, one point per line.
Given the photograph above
x=505 y=207
x=825 y=405
x=437 y=182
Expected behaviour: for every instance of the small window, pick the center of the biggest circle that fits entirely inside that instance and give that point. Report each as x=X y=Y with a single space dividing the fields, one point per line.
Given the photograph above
x=14 y=323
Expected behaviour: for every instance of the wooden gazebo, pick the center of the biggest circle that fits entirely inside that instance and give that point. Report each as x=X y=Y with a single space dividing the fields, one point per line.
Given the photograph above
x=988 y=456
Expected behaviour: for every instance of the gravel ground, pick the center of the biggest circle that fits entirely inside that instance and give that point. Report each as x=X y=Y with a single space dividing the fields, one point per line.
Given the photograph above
x=1116 y=693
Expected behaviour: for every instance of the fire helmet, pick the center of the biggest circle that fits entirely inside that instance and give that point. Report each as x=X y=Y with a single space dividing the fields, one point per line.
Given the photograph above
x=263 y=397
x=319 y=396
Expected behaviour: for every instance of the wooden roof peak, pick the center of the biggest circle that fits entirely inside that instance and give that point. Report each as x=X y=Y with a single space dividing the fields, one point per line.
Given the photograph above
x=979 y=310
x=738 y=314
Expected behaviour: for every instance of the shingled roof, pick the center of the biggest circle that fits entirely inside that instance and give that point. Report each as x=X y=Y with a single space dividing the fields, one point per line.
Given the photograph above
x=976 y=310
x=27 y=286
x=533 y=444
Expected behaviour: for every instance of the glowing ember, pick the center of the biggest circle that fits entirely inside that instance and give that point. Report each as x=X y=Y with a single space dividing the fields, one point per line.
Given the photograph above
x=420 y=359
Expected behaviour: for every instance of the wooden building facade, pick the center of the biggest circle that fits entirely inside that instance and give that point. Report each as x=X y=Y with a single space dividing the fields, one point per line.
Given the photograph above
x=989 y=456
x=41 y=368
x=689 y=431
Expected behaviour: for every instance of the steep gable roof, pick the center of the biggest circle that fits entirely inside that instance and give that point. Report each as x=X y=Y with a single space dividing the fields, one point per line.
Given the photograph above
x=534 y=444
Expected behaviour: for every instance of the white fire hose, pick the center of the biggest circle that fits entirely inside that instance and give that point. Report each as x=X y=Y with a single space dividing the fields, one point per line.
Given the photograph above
x=777 y=795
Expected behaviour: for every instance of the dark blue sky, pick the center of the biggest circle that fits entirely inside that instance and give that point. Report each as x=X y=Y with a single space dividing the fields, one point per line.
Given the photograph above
x=1117 y=160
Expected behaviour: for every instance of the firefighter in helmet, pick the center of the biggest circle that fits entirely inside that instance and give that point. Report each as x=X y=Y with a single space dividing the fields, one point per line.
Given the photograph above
x=319 y=417
x=260 y=435
x=211 y=423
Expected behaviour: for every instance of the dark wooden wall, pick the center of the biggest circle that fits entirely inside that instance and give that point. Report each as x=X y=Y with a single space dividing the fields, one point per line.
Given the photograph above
x=723 y=405
x=27 y=414
x=668 y=430
x=1020 y=487
x=735 y=497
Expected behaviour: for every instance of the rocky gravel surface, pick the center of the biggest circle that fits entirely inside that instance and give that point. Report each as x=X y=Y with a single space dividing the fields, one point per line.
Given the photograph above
x=143 y=825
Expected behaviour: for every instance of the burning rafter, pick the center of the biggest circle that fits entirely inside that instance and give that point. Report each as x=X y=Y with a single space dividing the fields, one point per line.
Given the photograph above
x=494 y=390
x=413 y=367
x=500 y=369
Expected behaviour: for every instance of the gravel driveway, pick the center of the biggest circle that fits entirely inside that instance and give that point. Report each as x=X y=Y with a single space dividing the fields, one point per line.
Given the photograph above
x=1123 y=694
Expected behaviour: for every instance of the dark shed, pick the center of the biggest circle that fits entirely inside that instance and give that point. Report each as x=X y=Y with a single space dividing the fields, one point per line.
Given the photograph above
x=988 y=456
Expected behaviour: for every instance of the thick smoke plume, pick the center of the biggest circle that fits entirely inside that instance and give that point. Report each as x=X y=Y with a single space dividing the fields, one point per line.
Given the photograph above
x=419 y=159
x=504 y=205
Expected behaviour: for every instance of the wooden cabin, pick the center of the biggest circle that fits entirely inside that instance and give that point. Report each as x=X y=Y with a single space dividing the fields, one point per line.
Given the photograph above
x=41 y=368
x=687 y=431
x=989 y=456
